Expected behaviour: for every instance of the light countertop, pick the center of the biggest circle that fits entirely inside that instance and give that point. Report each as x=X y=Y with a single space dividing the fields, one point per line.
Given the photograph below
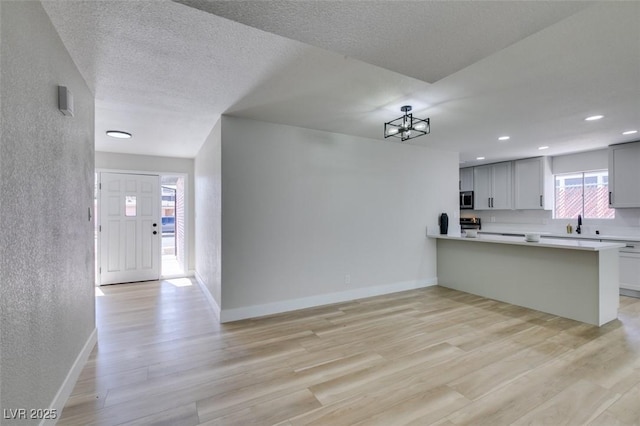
x=573 y=236
x=559 y=243
x=595 y=237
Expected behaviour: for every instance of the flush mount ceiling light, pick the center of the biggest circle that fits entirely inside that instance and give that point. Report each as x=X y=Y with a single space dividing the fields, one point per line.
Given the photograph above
x=630 y=132
x=541 y=148
x=504 y=138
x=479 y=158
x=594 y=118
x=406 y=127
x=118 y=134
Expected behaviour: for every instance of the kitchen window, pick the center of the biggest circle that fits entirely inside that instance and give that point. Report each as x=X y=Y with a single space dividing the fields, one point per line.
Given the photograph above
x=583 y=193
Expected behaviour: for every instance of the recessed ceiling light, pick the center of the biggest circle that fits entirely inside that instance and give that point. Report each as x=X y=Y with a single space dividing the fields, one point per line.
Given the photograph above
x=504 y=138
x=118 y=134
x=543 y=147
x=630 y=132
x=594 y=117
x=479 y=158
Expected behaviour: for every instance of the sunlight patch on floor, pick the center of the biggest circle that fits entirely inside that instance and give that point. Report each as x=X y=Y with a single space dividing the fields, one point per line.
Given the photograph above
x=180 y=282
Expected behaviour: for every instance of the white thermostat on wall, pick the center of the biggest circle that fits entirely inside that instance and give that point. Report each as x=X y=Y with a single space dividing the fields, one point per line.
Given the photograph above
x=65 y=101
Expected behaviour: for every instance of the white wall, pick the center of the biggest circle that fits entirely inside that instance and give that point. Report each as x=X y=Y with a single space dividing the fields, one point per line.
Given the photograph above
x=47 y=314
x=581 y=162
x=301 y=209
x=165 y=165
x=208 y=189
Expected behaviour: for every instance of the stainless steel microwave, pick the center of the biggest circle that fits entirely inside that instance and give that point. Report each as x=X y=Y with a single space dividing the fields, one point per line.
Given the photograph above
x=466 y=200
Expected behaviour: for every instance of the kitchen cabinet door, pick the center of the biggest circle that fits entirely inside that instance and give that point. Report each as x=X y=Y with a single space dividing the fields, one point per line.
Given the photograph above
x=482 y=192
x=630 y=270
x=502 y=188
x=466 y=179
x=533 y=184
x=624 y=175
x=492 y=186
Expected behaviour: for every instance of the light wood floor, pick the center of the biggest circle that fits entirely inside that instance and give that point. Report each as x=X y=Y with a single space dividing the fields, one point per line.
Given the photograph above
x=430 y=356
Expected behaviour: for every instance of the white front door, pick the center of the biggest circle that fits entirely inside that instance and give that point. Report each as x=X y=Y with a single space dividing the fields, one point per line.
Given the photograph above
x=130 y=231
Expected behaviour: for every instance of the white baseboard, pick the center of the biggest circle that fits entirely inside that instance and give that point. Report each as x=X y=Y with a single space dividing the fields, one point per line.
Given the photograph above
x=228 y=315
x=208 y=295
x=633 y=287
x=72 y=377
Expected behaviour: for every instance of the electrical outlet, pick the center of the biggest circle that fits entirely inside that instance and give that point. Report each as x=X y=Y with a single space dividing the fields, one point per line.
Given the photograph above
x=493 y=219
x=347 y=279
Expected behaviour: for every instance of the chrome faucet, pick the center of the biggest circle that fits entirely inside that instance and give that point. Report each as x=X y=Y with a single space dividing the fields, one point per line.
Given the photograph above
x=578 y=230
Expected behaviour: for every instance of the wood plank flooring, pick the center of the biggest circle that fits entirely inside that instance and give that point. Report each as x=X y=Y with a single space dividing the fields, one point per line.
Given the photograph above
x=429 y=356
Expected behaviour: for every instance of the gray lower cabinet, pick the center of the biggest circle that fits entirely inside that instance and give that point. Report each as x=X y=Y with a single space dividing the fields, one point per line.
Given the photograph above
x=630 y=267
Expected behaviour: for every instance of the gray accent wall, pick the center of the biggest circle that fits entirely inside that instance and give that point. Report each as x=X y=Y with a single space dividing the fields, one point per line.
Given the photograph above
x=47 y=310
x=302 y=209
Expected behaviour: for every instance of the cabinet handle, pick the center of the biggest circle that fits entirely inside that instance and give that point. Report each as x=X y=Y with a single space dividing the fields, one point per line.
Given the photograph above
x=610 y=198
x=541 y=201
x=489 y=202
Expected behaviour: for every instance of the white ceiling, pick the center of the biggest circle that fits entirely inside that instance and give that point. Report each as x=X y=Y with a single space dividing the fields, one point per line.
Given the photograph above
x=166 y=71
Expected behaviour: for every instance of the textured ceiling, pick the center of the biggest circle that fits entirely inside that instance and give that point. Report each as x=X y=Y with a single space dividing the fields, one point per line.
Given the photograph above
x=420 y=39
x=533 y=70
x=162 y=71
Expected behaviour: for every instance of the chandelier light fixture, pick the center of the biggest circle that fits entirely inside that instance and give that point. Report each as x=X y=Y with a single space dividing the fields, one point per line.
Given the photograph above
x=406 y=127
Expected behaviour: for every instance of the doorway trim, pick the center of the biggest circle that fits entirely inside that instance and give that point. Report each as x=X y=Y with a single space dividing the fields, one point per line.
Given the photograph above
x=185 y=242
x=187 y=212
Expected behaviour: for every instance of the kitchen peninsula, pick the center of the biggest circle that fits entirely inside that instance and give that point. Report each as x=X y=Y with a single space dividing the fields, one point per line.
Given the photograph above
x=568 y=278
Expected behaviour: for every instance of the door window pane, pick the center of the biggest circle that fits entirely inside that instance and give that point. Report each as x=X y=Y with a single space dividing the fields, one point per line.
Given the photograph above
x=130 y=205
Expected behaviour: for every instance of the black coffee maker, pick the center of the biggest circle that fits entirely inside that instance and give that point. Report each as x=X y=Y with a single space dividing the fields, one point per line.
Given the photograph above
x=443 y=221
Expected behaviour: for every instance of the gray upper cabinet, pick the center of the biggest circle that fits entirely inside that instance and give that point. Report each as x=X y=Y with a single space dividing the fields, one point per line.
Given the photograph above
x=533 y=182
x=624 y=175
x=466 y=179
x=493 y=187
